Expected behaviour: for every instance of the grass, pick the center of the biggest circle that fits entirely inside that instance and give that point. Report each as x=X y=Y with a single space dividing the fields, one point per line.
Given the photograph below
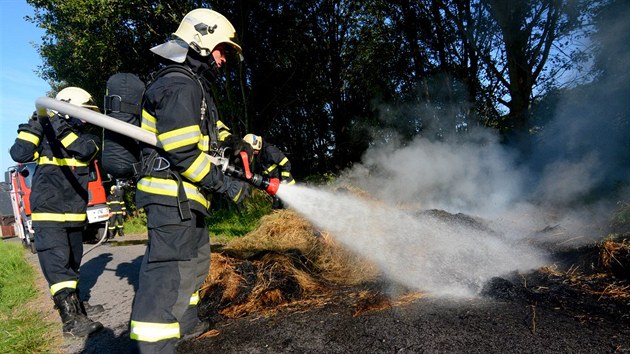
x=23 y=328
x=228 y=221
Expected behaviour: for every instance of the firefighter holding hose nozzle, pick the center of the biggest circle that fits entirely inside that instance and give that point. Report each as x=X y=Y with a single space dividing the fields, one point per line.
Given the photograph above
x=269 y=161
x=59 y=200
x=179 y=109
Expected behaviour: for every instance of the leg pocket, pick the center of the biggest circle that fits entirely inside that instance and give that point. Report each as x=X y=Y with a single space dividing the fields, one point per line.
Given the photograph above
x=170 y=243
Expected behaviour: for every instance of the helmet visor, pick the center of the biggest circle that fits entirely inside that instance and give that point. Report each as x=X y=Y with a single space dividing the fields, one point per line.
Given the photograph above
x=174 y=50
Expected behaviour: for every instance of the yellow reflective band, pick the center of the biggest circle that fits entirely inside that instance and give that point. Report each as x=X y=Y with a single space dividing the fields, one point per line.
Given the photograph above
x=45 y=160
x=35 y=156
x=59 y=217
x=283 y=162
x=148 y=122
x=70 y=284
x=31 y=138
x=194 y=299
x=220 y=125
x=223 y=135
x=199 y=168
x=69 y=139
x=180 y=137
x=204 y=143
x=270 y=168
x=168 y=187
x=292 y=182
x=153 y=332
x=285 y=174
x=235 y=199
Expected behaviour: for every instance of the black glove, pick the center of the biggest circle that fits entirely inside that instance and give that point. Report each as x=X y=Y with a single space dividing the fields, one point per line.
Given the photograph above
x=60 y=126
x=237 y=145
x=237 y=191
x=33 y=126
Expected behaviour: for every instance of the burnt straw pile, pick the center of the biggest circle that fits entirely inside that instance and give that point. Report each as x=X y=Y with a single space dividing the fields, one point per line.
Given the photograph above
x=288 y=265
x=590 y=283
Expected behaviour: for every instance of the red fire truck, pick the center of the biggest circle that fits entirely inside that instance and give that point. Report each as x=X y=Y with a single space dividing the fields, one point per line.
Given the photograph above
x=19 y=178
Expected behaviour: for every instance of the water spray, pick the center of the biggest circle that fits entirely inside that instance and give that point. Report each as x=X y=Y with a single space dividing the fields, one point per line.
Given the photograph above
x=269 y=185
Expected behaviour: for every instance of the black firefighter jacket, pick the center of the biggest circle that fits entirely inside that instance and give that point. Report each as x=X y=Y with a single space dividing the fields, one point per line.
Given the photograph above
x=59 y=193
x=172 y=109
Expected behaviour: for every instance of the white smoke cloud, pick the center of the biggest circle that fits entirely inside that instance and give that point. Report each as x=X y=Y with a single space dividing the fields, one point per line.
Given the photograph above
x=422 y=251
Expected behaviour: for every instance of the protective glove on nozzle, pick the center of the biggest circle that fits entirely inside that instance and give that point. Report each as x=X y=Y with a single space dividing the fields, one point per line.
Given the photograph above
x=236 y=190
x=238 y=145
x=60 y=126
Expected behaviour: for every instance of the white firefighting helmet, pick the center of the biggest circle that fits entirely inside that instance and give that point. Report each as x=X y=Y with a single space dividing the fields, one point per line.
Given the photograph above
x=78 y=97
x=254 y=140
x=201 y=30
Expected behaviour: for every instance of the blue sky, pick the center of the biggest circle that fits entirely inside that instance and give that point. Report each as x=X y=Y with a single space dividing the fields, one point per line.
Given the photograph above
x=19 y=84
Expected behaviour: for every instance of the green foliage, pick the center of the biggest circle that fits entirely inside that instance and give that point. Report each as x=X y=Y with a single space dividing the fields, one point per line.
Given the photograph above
x=229 y=221
x=323 y=179
x=23 y=329
x=136 y=223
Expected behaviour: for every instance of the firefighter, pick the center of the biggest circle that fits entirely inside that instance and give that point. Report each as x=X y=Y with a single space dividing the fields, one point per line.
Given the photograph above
x=178 y=178
x=270 y=161
x=117 y=212
x=59 y=198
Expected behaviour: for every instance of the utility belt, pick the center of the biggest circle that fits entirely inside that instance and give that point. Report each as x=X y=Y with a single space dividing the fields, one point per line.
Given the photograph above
x=157 y=166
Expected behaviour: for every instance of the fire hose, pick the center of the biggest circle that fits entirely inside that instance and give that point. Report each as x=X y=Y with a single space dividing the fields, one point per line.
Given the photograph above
x=269 y=185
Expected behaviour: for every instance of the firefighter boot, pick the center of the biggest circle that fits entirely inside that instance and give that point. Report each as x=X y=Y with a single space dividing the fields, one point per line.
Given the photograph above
x=75 y=323
x=87 y=309
x=91 y=310
x=200 y=328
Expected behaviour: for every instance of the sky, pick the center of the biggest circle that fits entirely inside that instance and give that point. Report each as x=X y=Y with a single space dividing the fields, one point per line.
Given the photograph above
x=19 y=84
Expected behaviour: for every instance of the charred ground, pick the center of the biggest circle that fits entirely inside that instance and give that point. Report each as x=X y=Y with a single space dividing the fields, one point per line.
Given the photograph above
x=282 y=290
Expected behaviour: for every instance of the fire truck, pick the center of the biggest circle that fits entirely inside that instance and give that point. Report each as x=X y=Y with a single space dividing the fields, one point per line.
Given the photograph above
x=20 y=177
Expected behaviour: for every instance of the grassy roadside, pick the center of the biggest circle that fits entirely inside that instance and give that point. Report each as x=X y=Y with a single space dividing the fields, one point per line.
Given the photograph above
x=24 y=328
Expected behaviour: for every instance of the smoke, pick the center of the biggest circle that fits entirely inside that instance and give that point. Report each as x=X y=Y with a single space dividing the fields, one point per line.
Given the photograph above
x=419 y=250
x=473 y=176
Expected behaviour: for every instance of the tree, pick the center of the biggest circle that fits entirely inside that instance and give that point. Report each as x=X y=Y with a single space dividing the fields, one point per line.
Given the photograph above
x=86 y=42
x=516 y=47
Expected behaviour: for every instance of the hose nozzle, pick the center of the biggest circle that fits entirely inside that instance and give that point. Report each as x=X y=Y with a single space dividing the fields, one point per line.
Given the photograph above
x=269 y=185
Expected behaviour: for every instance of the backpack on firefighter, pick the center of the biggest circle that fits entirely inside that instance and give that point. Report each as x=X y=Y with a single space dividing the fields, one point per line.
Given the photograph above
x=123 y=101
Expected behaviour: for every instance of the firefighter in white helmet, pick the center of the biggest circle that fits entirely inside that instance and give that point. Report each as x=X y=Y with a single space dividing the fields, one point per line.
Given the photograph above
x=270 y=161
x=59 y=197
x=179 y=108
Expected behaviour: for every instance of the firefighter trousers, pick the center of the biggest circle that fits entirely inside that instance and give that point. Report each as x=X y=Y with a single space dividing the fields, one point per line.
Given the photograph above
x=115 y=225
x=174 y=266
x=60 y=250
